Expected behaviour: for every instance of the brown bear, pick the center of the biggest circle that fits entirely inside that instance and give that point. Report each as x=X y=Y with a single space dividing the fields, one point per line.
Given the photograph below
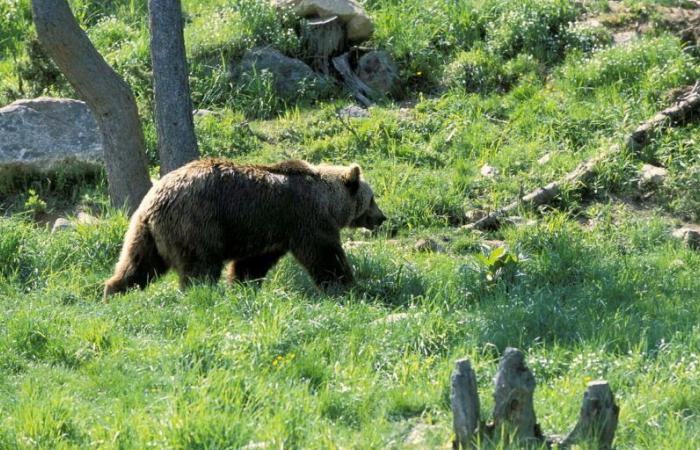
x=209 y=212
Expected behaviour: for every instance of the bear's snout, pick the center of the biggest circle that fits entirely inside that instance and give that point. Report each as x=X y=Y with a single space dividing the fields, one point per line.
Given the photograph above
x=379 y=220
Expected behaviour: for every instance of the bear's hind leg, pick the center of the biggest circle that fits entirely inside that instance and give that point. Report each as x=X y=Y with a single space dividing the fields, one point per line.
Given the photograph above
x=199 y=272
x=326 y=263
x=253 y=268
x=139 y=264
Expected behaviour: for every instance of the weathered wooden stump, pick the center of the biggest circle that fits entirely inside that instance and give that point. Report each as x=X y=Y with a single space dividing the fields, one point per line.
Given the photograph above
x=598 y=418
x=322 y=39
x=514 y=414
x=465 y=404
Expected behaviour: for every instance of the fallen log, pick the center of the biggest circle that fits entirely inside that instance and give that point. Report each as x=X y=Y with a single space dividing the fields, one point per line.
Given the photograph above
x=543 y=195
x=680 y=112
x=362 y=93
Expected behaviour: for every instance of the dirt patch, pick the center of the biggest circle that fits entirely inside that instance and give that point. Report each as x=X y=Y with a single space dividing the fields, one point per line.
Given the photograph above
x=629 y=23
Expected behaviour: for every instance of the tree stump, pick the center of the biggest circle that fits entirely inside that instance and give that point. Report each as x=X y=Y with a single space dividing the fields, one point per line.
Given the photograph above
x=465 y=404
x=598 y=418
x=514 y=420
x=514 y=413
x=322 y=39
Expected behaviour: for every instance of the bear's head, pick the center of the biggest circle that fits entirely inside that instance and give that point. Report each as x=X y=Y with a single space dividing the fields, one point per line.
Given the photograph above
x=366 y=214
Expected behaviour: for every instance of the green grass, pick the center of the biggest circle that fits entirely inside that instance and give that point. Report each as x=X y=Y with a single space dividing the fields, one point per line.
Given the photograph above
x=594 y=288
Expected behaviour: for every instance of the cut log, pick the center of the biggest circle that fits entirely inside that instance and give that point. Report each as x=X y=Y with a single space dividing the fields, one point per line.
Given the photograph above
x=543 y=195
x=465 y=404
x=322 y=39
x=357 y=87
x=513 y=412
x=597 y=420
x=681 y=112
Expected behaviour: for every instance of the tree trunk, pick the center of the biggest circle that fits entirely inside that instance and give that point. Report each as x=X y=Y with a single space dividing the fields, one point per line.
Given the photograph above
x=107 y=95
x=177 y=144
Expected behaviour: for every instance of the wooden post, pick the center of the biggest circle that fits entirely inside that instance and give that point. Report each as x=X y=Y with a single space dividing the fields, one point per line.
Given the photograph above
x=598 y=418
x=465 y=404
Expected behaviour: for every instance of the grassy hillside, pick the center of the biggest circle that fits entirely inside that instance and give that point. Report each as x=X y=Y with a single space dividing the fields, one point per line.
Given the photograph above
x=593 y=286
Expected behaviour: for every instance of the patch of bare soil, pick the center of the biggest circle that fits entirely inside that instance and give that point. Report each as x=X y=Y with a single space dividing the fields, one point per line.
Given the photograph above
x=627 y=24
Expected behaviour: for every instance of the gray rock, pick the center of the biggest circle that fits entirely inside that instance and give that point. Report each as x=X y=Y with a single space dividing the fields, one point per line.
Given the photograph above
x=689 y=234
x=652 y=175
x=62 y=224
x=46 y=132
x=378 y=71
x=391 y=318
x=199 y=113
x=87 y=219
x=290 y=76
x=353 y=111
x=544 y=159
x=419 y=435
x=428 y=245
x=357 y=23
x=488 y=171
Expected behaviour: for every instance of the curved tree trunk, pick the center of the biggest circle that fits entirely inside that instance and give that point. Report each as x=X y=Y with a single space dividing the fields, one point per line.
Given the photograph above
x=107 y=95
x=177 y=144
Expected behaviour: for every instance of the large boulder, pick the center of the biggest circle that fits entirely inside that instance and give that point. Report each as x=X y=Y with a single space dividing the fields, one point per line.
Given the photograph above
x=290 y=76
x=378 y=71
x=46 y=132
x=358 y=24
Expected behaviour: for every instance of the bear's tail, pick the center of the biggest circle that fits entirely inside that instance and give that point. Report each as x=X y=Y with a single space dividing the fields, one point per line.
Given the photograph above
x=139 y=260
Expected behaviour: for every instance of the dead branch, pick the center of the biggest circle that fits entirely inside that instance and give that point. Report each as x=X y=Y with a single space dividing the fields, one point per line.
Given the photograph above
x=543 y=195
x=357 y=87
x=680 y=112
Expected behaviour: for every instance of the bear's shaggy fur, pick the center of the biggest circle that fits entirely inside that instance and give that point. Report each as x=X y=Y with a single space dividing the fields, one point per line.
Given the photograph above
x=209 y=212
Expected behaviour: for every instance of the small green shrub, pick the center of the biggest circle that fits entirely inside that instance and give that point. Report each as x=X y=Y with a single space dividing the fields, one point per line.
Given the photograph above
x=533 y=26
x=585 y=37
x=483 y=72
x=658 y=63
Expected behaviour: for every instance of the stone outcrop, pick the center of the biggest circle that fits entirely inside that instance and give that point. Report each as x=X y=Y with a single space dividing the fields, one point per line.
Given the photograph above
x=46 y=132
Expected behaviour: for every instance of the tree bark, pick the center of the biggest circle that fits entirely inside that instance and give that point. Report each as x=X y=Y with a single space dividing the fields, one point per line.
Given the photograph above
x=108 y=96
x=177 y=144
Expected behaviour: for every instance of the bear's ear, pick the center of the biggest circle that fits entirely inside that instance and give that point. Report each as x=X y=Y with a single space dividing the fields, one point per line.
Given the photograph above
x=352 y=178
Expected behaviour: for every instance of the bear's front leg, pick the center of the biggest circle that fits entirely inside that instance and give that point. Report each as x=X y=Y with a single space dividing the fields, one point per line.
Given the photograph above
x=326 y=262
